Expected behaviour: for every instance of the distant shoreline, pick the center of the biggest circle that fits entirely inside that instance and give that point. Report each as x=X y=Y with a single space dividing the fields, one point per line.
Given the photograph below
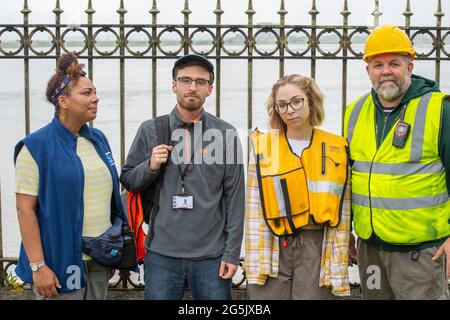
x=265 y=40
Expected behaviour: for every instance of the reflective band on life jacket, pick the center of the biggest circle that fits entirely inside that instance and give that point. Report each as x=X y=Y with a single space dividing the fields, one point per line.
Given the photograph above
x=400 y=194
x=292 y=188
x=136 y=222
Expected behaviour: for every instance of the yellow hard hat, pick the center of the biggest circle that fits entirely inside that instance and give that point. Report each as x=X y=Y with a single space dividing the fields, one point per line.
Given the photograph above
x=387 y=39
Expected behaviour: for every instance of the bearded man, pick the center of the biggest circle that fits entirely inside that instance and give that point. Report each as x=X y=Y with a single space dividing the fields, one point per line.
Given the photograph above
x=399 y=138
x=196 y=226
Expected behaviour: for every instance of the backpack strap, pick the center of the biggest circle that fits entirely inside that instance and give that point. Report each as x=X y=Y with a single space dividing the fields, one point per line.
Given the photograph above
x=162 y=124
x=163 y=136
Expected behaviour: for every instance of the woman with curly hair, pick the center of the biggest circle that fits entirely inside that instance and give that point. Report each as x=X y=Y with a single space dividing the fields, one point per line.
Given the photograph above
x=67 y=188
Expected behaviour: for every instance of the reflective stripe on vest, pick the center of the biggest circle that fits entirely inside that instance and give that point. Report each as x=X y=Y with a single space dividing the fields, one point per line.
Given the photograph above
x=279 y=196
x=325 y=186
x=398 y=193
x=419 y=128
x=293 y=188
x=400 y=204
x=398 y=168
x=354 y=116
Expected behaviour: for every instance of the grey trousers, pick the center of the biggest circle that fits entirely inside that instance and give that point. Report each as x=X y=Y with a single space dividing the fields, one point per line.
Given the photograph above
x=298 y=272
x=97 y=278
x=401 y=275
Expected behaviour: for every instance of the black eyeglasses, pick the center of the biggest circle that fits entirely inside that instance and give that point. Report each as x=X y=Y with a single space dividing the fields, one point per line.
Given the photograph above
x=186 y=82
x=296 y=104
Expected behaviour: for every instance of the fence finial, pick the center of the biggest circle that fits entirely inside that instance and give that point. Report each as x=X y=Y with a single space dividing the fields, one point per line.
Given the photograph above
x=57 y=9
x=439 y=14
x=122 y=9
x=218 y=11
x=250 y=12
x=376 y=14
x=345 y=13
x=282 y=12
x=154 y=10
x=25 y=9
x=90 y=10
x=313 y=12
x=408 y=13
x=186 y=10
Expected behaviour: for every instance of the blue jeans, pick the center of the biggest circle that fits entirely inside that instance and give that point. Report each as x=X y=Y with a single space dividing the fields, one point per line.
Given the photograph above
x=166 y=277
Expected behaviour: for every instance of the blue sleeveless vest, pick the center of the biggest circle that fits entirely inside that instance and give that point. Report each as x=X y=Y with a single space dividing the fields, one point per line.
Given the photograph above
x=60 y=208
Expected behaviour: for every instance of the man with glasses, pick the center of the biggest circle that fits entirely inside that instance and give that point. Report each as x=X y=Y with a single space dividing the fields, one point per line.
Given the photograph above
x=195 y=237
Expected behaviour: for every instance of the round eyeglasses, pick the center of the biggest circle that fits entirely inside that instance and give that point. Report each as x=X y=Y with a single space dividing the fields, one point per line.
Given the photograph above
x=186 y=82
x=295 y=104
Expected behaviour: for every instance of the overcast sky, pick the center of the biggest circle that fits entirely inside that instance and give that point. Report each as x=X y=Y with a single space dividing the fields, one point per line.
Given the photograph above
x=234 y=11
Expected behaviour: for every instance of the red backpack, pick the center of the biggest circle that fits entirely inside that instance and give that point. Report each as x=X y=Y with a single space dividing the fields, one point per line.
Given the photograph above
x=143 y=206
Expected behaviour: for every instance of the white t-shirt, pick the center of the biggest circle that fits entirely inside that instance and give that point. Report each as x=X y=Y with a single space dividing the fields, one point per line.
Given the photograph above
x=97 y=186
x=297 y=146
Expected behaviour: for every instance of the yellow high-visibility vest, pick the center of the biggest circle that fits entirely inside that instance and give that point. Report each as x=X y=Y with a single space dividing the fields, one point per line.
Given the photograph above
x=293 y=188
x=400 y=194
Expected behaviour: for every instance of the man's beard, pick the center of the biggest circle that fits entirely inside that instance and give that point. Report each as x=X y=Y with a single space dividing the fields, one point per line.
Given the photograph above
x=190 y=105
x=394 y=91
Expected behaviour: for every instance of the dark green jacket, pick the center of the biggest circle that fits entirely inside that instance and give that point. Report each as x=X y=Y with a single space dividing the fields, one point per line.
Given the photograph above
x=384 y=122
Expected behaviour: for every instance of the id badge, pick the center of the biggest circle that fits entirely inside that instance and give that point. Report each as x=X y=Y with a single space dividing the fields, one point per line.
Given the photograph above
x=183 y=201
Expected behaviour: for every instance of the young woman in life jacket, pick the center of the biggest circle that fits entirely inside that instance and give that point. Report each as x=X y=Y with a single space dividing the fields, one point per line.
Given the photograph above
x=297 y=227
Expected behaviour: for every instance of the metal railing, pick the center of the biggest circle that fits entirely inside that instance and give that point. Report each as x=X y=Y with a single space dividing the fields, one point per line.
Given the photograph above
x=285 y=42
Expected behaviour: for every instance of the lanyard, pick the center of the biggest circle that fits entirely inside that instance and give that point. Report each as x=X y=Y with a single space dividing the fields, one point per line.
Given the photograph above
x=186 y=168
x=183 y=173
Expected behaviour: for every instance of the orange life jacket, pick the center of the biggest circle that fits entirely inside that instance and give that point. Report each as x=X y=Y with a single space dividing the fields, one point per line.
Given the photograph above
x=293 y=188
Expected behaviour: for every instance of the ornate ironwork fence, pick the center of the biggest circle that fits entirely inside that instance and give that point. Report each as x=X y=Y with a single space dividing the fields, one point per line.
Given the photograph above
x=303 y=42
